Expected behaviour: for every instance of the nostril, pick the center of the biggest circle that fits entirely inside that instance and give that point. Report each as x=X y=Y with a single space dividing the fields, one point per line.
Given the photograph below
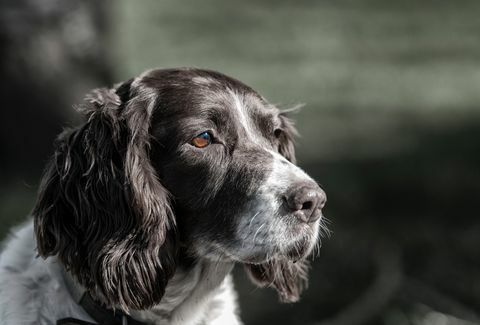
x=307 y=205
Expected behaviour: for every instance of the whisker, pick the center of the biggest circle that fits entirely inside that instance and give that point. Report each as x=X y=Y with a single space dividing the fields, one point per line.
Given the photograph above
x=256 y=233
x=324 y=230
x=251 y=220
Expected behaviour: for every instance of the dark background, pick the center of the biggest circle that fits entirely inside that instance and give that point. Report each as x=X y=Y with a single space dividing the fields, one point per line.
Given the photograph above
x=391 y=129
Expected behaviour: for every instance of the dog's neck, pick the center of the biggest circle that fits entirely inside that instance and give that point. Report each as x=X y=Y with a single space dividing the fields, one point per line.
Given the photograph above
x=188 y=294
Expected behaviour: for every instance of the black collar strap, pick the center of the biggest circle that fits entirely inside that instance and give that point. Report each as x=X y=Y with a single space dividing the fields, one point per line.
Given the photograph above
x=72 y=321
x=100 y=314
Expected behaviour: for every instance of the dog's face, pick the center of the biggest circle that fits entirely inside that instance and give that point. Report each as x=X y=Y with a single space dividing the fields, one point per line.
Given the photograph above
x=221 y=153
x=226 y=156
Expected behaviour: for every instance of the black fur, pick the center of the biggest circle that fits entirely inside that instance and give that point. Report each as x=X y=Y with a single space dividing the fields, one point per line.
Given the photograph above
x=102 y=209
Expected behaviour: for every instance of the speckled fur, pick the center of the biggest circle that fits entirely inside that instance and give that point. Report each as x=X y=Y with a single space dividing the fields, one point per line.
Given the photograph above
x=147 y=222
x=33 y=291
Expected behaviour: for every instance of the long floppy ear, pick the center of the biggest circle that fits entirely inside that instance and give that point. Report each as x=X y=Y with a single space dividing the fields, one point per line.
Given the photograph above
x=101 y=208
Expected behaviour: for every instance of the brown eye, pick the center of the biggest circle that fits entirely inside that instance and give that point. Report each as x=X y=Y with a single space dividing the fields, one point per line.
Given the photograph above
x=202 y=140
x=277 y=133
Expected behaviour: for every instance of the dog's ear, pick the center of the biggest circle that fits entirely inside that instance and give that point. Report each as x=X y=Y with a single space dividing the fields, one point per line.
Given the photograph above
x=287 y=277
x=102 y=209
x=286 y=145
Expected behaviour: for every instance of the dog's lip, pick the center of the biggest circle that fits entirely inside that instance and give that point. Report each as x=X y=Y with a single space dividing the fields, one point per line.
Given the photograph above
x=252 y=259
x=278 y=255
x=297 y=253
x=284 y=256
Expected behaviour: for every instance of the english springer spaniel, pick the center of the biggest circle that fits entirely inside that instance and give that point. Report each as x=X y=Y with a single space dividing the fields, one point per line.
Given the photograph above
x=143 y=210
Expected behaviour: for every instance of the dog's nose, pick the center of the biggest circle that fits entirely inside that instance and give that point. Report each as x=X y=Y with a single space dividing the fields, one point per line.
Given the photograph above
x=306 y=201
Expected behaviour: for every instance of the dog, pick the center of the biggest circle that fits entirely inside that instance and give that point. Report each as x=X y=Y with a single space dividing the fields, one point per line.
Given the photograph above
x=173 y=178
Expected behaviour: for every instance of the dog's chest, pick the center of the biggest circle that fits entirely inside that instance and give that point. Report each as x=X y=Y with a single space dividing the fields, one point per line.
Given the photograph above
x=196 y=296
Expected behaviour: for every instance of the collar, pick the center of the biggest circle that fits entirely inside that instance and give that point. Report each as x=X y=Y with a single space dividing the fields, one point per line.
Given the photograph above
x=96 y=310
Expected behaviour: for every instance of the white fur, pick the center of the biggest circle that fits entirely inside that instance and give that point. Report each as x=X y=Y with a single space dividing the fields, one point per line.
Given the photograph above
x=33 y=290
x=204 y=81
x=243 y=116
x=262 y=223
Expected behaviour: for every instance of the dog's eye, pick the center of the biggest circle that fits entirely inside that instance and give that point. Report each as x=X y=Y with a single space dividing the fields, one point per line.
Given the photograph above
x=202 y=140
x=277 y=133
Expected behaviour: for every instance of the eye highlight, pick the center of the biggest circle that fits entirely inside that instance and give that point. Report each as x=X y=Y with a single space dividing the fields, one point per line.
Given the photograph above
x=202 y=140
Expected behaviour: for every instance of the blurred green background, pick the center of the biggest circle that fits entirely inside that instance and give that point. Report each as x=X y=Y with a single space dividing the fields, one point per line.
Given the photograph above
x=390 y=129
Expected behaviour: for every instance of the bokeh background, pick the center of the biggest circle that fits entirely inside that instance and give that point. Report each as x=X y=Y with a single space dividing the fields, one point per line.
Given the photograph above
x=390 y=128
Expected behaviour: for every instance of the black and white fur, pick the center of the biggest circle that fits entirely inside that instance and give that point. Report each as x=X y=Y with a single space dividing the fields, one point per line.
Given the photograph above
x=130 y=211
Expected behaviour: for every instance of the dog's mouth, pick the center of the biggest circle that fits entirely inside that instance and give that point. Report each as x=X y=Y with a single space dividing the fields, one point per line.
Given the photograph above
x=262 y=238
x=294 y=255
x=260 y=253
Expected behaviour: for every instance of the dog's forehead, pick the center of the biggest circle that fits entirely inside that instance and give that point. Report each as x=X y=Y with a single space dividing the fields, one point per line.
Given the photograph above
x=194 y=93
x=248 y=115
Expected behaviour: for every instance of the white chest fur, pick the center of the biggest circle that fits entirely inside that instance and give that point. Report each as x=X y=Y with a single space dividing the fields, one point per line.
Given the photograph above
x=33 y=291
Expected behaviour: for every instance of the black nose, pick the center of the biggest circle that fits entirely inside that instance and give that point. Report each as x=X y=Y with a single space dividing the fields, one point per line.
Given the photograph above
x=305 y=201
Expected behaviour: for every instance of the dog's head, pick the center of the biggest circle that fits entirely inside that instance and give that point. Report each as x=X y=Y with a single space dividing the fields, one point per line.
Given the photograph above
x=181 y=159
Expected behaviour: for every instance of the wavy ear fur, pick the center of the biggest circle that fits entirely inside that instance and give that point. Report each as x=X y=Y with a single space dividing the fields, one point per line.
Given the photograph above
x=101 y=207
